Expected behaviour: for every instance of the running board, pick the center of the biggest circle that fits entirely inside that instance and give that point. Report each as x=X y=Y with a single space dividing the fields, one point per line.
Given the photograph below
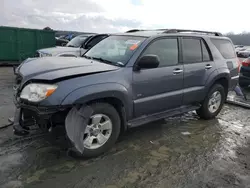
x=157 y=116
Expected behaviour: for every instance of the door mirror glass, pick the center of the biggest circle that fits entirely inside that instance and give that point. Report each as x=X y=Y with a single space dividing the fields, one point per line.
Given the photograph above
x=148 y=62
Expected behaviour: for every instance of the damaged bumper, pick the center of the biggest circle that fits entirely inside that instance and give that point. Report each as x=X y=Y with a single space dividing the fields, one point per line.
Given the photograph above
x=27 y=115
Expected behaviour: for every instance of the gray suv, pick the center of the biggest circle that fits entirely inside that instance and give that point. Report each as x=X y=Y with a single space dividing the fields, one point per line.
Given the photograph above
x=126 y=80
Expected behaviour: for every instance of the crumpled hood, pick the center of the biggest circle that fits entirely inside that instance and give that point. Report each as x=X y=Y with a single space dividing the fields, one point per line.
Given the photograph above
x=50 y=68
x=57 y=50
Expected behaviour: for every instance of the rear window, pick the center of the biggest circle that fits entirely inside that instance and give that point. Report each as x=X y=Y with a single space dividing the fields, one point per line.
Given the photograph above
x=225 y=47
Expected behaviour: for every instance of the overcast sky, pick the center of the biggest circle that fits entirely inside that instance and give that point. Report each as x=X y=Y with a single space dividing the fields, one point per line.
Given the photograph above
x=120 y=15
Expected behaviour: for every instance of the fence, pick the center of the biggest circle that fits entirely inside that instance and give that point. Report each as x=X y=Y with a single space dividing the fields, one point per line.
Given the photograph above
x=17 y=44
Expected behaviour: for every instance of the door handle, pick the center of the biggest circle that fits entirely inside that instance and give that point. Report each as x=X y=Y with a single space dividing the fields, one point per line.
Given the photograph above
x=208 y=66
x=177 y=71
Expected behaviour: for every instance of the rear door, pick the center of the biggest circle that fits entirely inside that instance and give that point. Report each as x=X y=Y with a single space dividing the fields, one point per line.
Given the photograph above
x=198 y=65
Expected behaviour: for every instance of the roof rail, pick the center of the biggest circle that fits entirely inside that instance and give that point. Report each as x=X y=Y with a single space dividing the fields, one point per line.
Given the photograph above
x=133 y=30
x=188 y=30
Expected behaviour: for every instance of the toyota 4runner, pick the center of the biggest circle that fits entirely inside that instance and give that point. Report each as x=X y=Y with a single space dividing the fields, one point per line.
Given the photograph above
x=126 y=80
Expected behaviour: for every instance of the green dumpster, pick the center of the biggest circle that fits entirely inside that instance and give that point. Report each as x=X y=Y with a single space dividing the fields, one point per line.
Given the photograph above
x=17 y=44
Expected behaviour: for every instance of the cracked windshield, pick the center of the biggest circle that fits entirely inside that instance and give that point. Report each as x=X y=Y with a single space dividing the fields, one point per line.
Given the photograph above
x=124 y=94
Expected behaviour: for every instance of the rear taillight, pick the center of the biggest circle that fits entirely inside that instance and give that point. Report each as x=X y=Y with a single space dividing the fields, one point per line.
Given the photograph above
x=246 y=63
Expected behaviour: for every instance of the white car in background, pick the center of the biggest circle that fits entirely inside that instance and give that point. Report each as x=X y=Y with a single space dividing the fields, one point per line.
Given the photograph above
x=76 y=47
x=245 y=53
x=239 y=46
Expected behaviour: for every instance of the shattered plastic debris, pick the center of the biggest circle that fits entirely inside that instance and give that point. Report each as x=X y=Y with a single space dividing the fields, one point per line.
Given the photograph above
x=186 y=133
x=238 y=97
x=75 y=124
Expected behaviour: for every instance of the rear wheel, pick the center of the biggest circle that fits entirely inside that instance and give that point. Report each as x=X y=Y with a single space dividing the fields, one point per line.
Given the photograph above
x=213 y=102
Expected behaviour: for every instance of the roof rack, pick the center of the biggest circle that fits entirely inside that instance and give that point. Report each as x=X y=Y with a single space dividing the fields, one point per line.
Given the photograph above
x=133 y=30
x=176 y=31
x=188 y=30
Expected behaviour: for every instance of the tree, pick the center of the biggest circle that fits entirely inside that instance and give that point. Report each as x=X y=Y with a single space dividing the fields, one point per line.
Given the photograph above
x=47 y=28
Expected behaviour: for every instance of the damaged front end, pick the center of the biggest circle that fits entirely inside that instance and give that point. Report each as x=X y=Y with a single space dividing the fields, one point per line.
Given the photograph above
x=28 y=119
x=31 y=116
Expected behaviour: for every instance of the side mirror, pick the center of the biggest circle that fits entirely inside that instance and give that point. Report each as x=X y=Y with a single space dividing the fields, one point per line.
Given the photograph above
x=148 y=62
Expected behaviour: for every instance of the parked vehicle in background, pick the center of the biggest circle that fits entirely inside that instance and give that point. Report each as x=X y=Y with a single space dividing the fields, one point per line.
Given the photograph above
x=124 y=81
x=61 y=41
x=239 y=46
x=244 y=79
x=76 y=47
x=243 y=53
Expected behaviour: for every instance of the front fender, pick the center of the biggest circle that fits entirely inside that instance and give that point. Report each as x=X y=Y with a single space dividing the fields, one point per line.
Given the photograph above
x=99 y=91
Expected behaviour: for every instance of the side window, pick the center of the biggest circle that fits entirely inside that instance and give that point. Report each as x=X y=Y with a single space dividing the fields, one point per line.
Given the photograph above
x=205 y=53
x=94 y=41
x=166 y=50
x=225 y=47
x=191 y=50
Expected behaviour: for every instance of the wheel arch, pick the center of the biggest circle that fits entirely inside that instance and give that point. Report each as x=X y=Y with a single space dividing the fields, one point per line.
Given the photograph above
x=118 y=105
x=223 y=79
x=112 y=93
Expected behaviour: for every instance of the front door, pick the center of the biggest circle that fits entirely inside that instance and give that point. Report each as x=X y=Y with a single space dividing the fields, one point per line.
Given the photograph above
x=159 y=89
x=198 y=66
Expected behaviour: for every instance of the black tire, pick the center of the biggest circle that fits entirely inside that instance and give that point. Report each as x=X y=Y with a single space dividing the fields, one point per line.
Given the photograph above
x=204 y=112
x=110 y=111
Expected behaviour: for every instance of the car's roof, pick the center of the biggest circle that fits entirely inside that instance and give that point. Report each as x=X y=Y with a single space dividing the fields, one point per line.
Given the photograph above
x=93 y=34
x=155 y=33
x=86 y=35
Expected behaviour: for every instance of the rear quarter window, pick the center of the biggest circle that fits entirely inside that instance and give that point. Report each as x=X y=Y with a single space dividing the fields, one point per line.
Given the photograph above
x=225 y=47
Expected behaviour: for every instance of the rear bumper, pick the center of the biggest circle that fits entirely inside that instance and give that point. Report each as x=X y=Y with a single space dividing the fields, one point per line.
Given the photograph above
x=244 y=81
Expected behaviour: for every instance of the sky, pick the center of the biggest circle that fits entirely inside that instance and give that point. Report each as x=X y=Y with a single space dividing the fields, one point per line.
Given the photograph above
x=121 y=15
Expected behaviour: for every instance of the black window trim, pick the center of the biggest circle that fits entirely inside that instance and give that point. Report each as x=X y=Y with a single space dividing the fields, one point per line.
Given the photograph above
x=201 y=40
x=94 y=37
x=208 y=50
x=159 y=38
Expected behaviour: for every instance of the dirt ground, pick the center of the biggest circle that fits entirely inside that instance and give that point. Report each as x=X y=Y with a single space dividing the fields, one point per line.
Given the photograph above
x=180 y=152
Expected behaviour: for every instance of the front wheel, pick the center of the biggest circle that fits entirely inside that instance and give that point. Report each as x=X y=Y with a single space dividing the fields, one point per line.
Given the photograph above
x=213 y=102
x=102 y=130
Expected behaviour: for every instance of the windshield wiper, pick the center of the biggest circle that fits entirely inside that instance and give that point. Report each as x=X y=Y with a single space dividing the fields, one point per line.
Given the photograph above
x=71 y=46
x=106 y=61
x=103 y=60
x=87 y=57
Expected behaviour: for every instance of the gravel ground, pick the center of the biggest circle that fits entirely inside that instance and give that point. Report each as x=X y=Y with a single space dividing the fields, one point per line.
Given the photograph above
x=183 y=152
